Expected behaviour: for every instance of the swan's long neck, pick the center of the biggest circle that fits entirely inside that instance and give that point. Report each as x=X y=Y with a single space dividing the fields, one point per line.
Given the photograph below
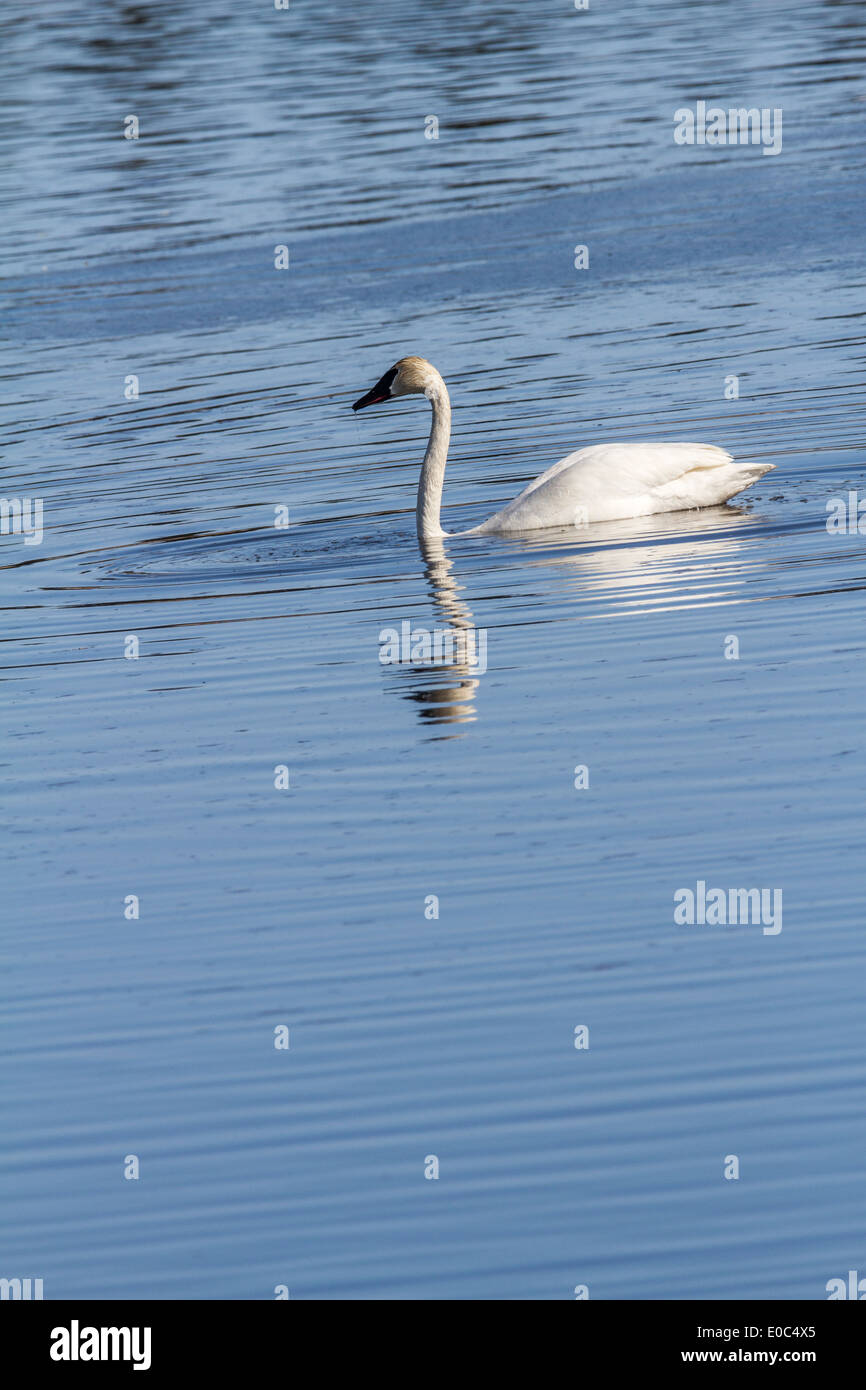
x=433 y=468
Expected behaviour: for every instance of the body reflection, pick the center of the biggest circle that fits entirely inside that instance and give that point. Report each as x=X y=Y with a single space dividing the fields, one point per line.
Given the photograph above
x=647 y=564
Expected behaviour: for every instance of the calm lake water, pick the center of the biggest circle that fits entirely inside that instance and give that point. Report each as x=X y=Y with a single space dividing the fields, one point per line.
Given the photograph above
x=311 y=907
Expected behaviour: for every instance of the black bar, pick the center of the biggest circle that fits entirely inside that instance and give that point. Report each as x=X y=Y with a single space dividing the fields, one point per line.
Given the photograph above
x=220 y=1340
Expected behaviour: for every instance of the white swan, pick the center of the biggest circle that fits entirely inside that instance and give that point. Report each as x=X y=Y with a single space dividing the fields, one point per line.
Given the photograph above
x=604 y=482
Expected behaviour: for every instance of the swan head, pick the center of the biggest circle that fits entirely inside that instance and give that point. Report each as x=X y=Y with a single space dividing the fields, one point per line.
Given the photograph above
x=411 y=376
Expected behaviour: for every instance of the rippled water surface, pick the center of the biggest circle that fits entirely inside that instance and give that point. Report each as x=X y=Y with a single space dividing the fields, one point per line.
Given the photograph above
x=411 y=1034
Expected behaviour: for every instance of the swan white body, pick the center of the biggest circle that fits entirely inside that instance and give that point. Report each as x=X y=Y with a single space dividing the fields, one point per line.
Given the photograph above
x=604 y=482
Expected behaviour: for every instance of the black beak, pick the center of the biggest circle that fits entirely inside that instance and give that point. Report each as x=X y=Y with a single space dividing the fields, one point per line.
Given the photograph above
x=380 y=392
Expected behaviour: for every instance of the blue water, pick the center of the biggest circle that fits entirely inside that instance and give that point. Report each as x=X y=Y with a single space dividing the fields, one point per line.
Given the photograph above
x=413 y=1035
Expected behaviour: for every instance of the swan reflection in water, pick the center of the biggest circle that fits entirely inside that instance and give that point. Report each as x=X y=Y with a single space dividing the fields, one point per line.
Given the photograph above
x=654 y=563
x=646 y=564
x=439 y=668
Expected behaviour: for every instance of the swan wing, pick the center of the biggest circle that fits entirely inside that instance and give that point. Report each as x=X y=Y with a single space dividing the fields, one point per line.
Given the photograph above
x=607 y=482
